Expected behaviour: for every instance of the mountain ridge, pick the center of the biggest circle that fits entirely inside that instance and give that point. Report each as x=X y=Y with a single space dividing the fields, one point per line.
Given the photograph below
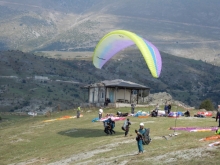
x=79 y=25
x=186 y=80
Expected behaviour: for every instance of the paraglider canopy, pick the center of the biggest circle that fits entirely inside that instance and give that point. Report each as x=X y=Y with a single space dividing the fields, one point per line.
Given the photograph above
x=116 y=41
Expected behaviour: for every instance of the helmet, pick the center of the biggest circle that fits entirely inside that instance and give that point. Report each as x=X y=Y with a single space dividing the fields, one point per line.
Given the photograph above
x=141 y=124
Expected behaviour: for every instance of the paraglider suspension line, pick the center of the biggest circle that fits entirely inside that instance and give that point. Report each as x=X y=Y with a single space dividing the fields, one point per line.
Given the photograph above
x=175 y=123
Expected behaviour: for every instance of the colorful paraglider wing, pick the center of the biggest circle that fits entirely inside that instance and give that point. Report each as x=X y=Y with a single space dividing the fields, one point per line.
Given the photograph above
x=117 y=40
x=108 y=47
x=156 y=56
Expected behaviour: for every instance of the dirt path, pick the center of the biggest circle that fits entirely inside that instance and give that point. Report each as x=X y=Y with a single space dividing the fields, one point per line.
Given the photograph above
x=85 y=158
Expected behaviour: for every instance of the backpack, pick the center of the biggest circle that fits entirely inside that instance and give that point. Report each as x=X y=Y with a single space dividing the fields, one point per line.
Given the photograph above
x=146 y=137
x=113 y=124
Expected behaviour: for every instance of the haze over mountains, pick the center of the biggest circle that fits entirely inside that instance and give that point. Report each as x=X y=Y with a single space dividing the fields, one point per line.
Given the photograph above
x=189 y=28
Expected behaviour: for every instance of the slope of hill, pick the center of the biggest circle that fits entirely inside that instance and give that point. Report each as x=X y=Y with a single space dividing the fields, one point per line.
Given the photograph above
x=184 y=28
x=28 y=80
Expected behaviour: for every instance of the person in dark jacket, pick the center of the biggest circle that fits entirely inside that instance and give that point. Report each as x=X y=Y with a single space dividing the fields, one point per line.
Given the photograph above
x=111 y=124
x=132 y=108
x=166 y=109
x=106 y=127
x=169 y=108
x=187 y=113
x=218 y=116
x=126 y=127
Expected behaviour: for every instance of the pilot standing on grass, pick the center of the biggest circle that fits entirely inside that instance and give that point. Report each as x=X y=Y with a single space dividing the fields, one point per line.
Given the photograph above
x=100 y=113
x=78 y=111
x=139 y=138
x=218 y=116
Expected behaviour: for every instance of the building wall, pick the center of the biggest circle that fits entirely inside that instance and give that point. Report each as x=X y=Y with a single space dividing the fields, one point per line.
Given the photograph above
x=97 y=95
x=123 y=94
x=114 y=94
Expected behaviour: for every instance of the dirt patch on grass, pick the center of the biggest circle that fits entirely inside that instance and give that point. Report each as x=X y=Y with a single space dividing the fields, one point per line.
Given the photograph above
x=123 y=159
x=83 y=157
x=38 y=126
x=31 y=162
x=72 y=130
x=19 y=140
x=79 y=157
x=187 y=154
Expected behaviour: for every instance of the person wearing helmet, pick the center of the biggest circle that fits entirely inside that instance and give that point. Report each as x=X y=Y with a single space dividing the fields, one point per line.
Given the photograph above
x=139 y=138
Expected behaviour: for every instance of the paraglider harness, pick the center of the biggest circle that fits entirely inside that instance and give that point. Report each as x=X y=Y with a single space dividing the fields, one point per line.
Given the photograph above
x=146 y=137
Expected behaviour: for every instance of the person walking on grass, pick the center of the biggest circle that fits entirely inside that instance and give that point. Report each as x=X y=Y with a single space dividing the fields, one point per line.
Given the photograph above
x=126 y=127
x=139 y=138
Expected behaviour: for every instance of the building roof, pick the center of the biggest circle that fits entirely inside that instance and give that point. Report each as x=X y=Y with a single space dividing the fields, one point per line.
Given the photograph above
x=118 y=83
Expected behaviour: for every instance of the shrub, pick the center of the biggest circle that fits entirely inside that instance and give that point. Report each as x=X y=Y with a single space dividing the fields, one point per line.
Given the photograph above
x=207 y=104
x=50 y=103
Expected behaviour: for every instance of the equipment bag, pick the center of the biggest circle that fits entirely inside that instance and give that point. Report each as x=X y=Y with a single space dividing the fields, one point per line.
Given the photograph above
x=146 y=137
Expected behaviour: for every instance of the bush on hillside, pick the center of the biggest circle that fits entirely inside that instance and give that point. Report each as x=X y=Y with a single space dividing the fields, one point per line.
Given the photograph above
x=207 y=104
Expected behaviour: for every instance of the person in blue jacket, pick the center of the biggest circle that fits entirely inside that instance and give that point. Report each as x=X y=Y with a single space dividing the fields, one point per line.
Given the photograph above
x=166 y=109
x=139 y=138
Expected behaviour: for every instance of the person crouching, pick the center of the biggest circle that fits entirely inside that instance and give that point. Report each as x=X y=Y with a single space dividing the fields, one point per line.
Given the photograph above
x=106 y=127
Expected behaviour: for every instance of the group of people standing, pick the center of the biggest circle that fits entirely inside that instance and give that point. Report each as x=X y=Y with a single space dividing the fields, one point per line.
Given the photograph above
x=167 y=109
x=109 y=126
x=141 y=133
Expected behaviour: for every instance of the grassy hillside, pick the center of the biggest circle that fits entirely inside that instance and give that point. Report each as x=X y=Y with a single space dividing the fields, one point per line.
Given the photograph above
x=30 y=140
x=24 y=90
x=189 y=81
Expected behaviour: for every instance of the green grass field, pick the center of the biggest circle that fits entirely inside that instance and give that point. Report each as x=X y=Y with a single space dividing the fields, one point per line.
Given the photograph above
x=29 y=140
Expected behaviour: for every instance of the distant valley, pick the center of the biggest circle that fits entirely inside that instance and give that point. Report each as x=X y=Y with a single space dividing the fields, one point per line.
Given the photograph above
x=187 y=28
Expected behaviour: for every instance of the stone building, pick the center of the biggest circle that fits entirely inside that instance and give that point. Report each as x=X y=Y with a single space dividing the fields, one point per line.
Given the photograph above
x=116 y=91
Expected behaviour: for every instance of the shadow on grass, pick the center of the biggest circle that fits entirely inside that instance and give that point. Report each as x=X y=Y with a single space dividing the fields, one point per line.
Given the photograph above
x=87 y=133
